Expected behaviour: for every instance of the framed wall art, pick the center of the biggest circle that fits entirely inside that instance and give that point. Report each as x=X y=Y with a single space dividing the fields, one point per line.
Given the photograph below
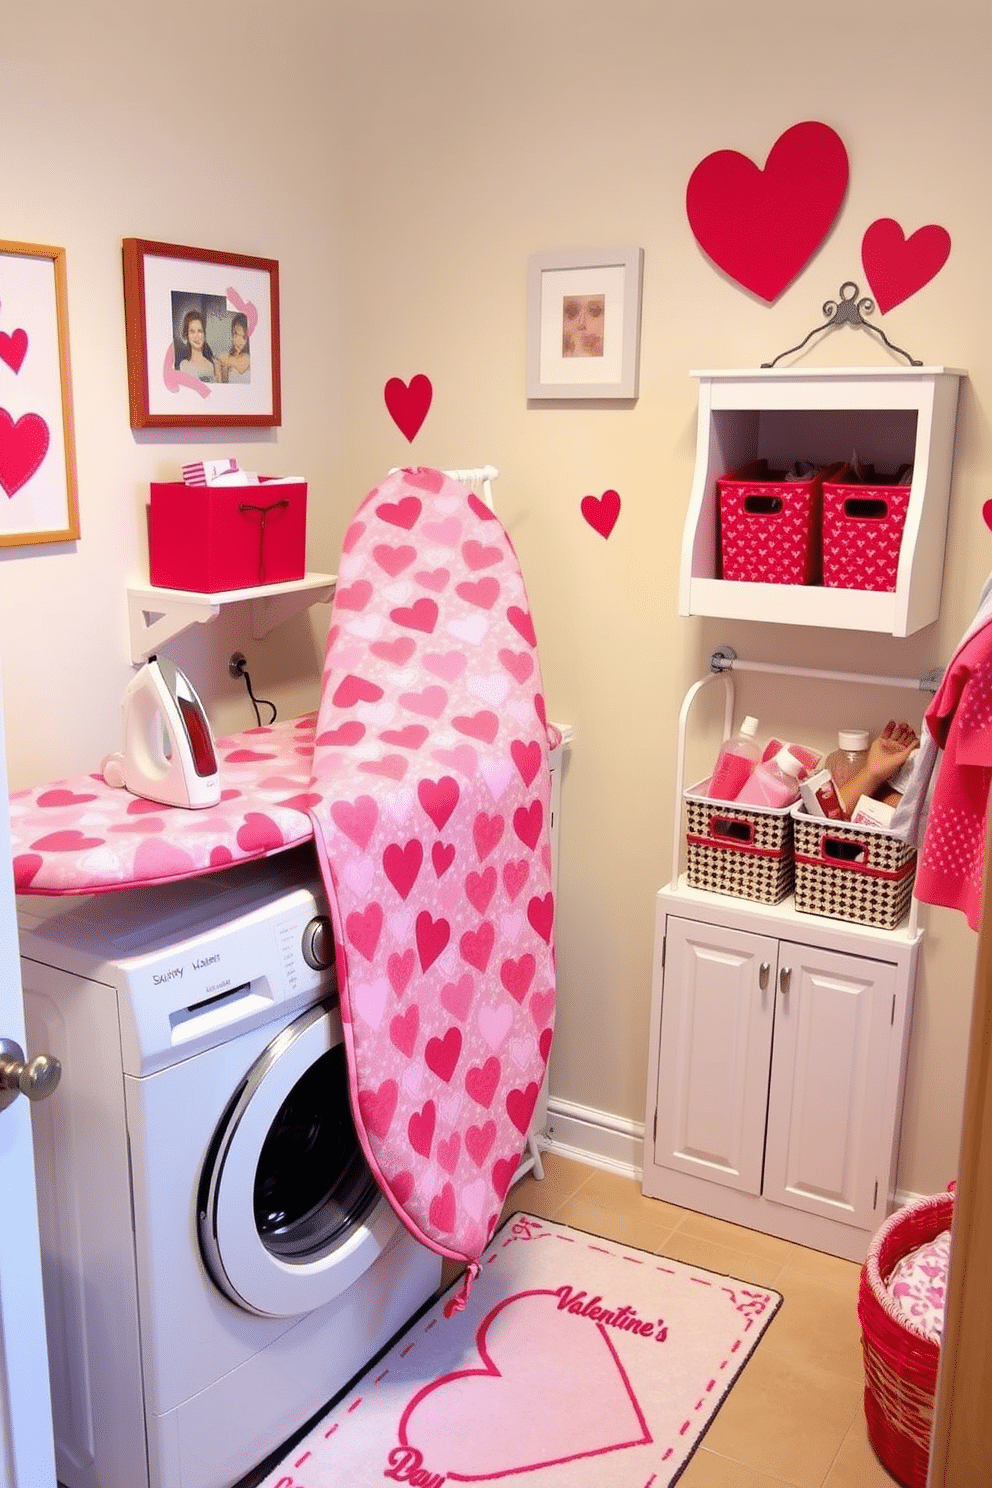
x=38 y=502
x=584 y=324
x=202 y=337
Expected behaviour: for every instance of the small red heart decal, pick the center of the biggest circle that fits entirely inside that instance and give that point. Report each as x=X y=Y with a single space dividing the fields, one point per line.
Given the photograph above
x=23 y=446
x=762 y=226
x=13 y=348
x=408 y=405
x=601 y=512
x=897 y=266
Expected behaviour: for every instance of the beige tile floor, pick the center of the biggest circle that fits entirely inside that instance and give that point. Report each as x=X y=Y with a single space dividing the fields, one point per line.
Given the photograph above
x=795 y=1416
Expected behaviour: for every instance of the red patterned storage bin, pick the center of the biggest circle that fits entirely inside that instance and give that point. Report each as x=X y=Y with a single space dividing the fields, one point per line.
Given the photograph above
x=771 y=528
x=862 y=530
x=901 y=1361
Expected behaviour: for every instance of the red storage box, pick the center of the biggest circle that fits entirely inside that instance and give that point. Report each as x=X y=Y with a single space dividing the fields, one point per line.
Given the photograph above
x=862 y=530
x=211 y=538
x=770 y=528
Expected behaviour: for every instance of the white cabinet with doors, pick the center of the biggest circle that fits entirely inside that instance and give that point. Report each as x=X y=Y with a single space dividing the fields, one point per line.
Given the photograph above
x=776 y=1065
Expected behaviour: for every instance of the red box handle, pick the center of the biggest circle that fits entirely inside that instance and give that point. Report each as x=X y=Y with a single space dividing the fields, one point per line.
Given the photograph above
x=762 y=506
x=866 y=509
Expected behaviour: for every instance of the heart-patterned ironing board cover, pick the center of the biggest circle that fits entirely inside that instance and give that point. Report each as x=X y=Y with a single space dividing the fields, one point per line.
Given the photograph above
x=429 y=799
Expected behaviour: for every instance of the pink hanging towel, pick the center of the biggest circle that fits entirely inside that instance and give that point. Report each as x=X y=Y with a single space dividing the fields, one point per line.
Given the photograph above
x=430 y=797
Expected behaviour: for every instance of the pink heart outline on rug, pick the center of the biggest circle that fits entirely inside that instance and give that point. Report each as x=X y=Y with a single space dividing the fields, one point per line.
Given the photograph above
x=762 y=226
x=408 y=405
x=23 y=447
x=14 y=348
x=897 y=266
x=444 y=1418
x=601 y=512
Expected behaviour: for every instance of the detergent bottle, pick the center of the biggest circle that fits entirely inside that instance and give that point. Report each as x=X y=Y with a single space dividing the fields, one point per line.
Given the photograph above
x=773 y=782
x=737 y=758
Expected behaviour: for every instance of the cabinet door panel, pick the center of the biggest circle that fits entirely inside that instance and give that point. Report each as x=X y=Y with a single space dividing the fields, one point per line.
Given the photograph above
x=716 y=1030
x=826 y=1108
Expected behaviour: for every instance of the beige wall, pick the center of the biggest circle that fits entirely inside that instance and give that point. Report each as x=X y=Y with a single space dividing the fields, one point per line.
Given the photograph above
x=401 y=159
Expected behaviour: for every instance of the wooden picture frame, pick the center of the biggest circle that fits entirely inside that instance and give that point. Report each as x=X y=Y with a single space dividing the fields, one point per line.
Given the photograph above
x=584 y=324
x=223 y=374
x=38 y=498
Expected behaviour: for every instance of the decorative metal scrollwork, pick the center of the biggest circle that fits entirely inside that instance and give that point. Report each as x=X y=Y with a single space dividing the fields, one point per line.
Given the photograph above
x=847 y=309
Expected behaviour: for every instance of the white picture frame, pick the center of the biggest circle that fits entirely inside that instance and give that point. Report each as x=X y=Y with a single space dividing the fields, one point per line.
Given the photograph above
x=584 y=325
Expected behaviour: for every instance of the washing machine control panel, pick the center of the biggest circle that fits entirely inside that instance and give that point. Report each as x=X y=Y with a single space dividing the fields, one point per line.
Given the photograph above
x=318 y=943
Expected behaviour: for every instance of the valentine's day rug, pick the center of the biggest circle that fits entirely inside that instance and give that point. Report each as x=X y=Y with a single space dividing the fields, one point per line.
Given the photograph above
x=576 y=1363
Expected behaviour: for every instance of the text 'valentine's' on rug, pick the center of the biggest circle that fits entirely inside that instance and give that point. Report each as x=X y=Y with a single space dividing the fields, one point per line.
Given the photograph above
x=577 y=1363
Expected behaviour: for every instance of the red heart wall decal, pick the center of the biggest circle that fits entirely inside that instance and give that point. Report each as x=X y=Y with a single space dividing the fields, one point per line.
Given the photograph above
x=408 y=405
x=763 y=226
x=23 y=446
x=601 y=512
x=897 y=266
x=13 y=348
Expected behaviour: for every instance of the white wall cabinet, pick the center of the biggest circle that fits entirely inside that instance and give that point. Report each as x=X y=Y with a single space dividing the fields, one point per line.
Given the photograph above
x=776 y=1068
x=890 y=416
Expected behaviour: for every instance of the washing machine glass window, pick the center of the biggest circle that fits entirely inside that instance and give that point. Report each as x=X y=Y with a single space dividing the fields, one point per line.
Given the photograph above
x=289 y=1211
x=312 y=1183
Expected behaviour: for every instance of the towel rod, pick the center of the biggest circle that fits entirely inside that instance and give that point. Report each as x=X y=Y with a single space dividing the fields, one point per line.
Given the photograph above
x=725 y=659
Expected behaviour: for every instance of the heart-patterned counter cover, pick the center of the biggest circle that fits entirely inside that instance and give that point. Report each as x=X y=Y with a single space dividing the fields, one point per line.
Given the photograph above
x=430 y=797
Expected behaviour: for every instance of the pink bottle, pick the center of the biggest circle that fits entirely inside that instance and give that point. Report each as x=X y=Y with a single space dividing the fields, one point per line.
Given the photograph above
x=774 y=782
x=737 y=758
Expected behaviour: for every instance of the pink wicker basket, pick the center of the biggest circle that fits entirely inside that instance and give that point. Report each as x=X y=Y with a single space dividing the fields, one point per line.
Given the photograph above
x=900 y=1360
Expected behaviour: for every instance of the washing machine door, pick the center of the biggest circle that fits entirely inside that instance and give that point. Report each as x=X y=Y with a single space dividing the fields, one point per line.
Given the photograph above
x=289 y=1212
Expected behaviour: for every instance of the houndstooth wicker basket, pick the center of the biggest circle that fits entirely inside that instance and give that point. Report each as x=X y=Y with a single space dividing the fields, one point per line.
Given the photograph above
x=745 y=851
x=900 y=1360
x=848 y=872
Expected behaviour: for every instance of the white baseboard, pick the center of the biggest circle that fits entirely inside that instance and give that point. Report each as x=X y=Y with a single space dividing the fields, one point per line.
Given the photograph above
x=595 y=1137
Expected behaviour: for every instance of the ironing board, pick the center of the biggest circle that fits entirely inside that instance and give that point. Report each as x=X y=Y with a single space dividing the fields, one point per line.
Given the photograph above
x=81 y=836
x=429 y=800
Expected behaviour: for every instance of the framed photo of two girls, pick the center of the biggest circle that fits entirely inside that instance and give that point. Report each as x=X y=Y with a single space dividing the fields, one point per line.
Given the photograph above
x=202 y=337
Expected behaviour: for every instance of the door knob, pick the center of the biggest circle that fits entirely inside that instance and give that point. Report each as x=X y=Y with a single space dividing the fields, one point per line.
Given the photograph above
x=763 y=971
x=36 y=1078
x=785 y=979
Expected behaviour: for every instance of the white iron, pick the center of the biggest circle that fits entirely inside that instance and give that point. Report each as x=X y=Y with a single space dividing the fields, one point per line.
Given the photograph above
x=169 y=753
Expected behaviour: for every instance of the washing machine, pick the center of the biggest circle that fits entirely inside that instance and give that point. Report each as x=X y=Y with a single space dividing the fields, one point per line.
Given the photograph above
x=218 y=1261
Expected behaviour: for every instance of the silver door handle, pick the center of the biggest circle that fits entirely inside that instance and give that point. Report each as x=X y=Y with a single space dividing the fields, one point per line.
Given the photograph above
x=763 y=972
x=36 y=1078
x=785 y=979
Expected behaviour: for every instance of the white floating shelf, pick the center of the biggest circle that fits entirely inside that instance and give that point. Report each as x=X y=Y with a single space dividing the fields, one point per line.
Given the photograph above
x=889 y=416
x=157 y=615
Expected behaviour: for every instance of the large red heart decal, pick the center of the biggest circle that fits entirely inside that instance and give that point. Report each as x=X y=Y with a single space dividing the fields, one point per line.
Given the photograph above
x=763 y=226
x=408 y=405
x=23 y=446
x=601 y=512
x=897 y=266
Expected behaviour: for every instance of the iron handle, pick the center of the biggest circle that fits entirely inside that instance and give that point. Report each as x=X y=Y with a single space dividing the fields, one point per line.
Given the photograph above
x=763 y=971
x=35 y=1078
x=784 y=979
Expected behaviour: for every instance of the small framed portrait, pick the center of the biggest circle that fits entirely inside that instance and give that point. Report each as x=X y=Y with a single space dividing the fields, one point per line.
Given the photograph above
x=583 y=324
x=202 y=332
x=38 y=501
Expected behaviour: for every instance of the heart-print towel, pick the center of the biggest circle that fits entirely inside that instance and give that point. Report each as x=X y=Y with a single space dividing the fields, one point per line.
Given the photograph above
x=432 y=784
